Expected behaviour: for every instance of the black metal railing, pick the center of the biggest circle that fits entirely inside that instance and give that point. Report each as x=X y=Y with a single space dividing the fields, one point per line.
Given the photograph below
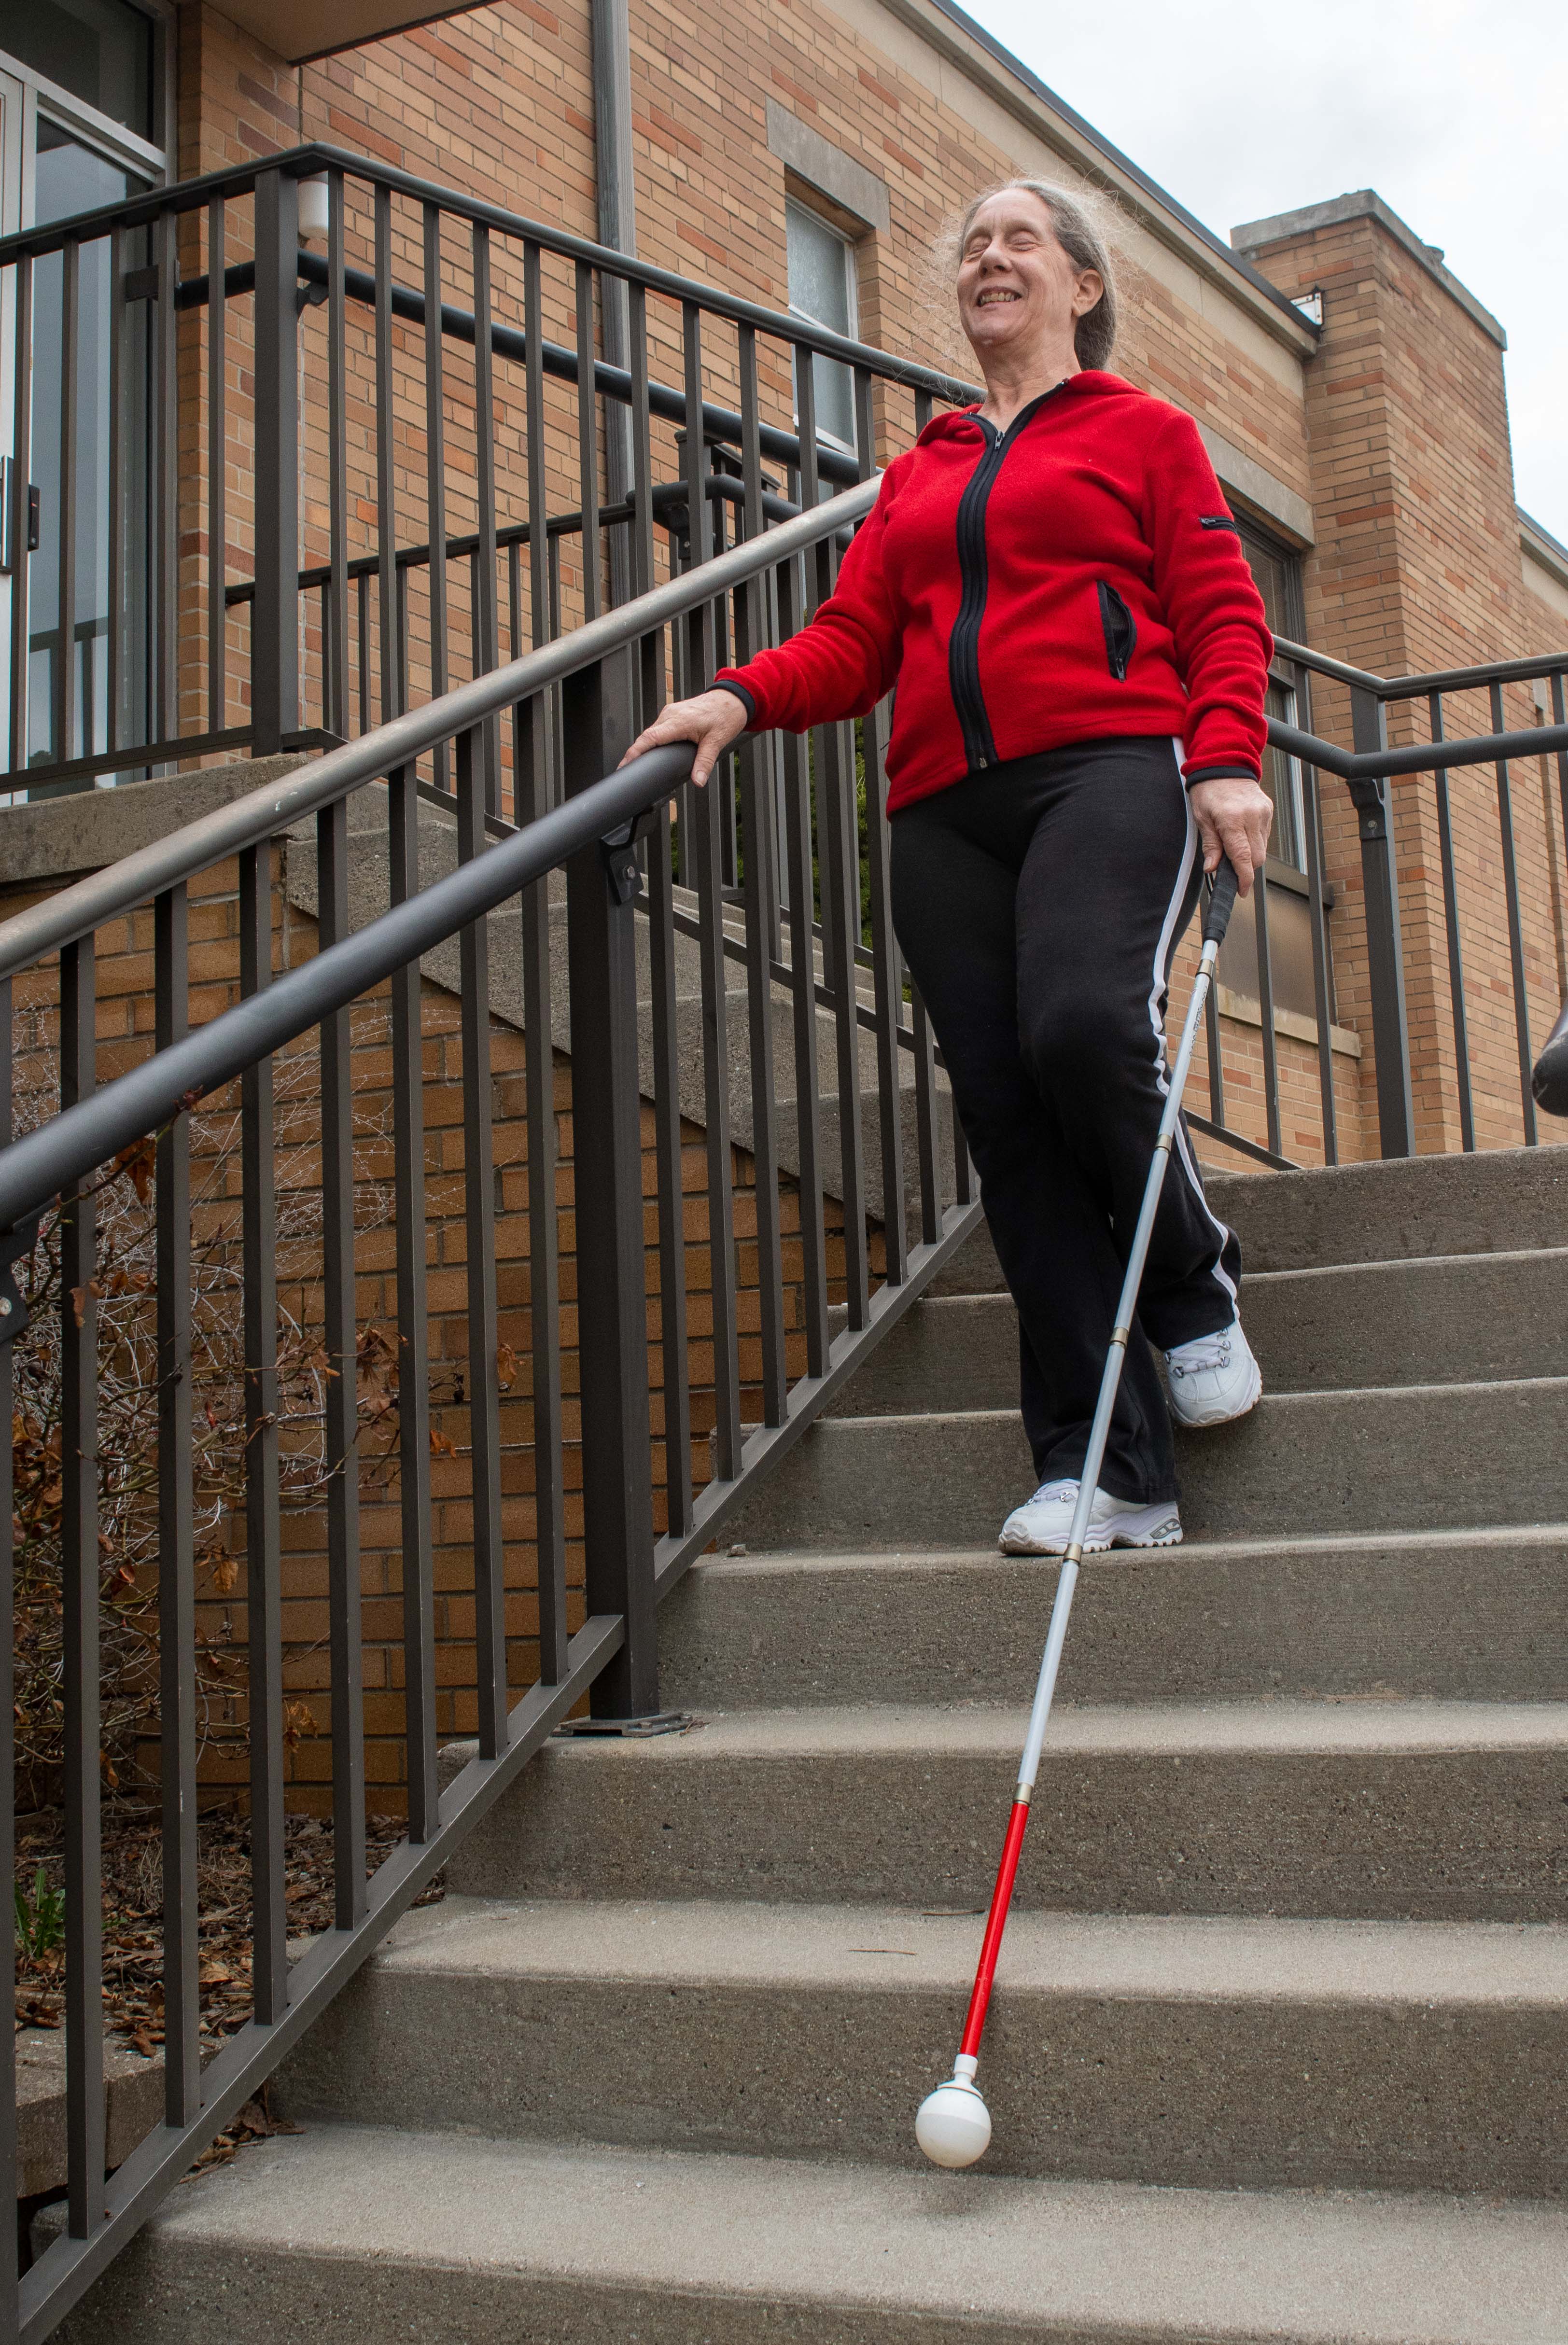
x=814 y=1216
x=210 y=617
x=1394 y=949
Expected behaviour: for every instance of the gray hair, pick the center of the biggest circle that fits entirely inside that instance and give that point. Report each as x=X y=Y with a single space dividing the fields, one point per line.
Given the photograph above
x=1084 y=247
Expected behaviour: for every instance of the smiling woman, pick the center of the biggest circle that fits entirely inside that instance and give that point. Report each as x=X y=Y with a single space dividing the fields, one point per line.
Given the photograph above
x=1054 y=584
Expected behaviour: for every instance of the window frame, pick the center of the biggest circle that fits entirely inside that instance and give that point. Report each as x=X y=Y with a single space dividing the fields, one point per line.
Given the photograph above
x=58 y=104
x=851 y=245
x=1285 y=677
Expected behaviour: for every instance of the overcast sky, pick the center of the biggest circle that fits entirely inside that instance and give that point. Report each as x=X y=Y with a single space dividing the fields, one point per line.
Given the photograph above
x=1456 y=111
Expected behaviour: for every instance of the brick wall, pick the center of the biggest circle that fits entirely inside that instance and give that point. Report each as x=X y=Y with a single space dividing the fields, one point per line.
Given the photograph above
x=1417 y=568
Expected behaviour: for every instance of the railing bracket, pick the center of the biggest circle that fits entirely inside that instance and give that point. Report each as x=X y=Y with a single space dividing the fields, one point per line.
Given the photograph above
x=619 y=849
x=658 y=1722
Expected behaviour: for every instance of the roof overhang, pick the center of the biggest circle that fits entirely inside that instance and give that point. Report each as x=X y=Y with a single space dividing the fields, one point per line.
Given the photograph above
x=300 y=30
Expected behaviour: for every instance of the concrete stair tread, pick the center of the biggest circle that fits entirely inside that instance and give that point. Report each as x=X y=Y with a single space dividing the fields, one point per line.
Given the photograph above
x=1176 y=1729
x=372 y=2232
x=880 y=1947
x=1238 y=1548
x=1293 y=1401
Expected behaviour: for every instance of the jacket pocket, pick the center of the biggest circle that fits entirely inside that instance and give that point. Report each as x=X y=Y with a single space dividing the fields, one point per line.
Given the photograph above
x=1121 y=631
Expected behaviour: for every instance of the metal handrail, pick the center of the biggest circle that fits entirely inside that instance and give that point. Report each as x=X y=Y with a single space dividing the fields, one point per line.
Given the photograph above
x=83 y=906
x=309 y=160
x=1408 y=687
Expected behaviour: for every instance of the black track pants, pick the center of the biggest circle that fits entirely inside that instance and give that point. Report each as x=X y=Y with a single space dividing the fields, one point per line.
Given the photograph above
x=1038 y=905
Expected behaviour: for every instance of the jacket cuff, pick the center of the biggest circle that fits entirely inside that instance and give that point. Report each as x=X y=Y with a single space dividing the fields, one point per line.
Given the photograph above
x=1233 y=773
x=732 y=683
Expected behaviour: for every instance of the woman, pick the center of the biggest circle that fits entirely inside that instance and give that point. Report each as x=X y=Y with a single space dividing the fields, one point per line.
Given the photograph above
x=1055 y=585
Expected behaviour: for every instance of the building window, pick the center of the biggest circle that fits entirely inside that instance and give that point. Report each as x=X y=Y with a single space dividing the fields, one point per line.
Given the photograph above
x=101 y=51
x=1277 y=576
x=822 y=290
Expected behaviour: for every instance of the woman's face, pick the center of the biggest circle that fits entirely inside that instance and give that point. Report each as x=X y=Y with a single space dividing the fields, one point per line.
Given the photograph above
x=1016 y=287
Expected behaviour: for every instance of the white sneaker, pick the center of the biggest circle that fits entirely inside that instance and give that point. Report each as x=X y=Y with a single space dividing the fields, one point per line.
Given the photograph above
x=1044 y=1523
x=1214 y=1378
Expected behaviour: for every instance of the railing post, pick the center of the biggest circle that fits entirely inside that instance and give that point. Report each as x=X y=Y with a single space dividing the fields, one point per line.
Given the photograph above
x=275 y=611
x=612 y=1295
x=1385 y=956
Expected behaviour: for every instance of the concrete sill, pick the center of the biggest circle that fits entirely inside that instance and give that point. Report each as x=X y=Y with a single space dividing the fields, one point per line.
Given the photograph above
x=1247 y=1012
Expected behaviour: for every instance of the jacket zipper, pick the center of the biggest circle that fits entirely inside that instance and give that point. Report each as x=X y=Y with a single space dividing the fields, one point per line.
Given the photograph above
x=963 y=643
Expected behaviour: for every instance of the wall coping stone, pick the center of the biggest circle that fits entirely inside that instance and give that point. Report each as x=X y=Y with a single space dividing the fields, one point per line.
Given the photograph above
x=57 y=839
x=1238 y=471
x=823 y=166
x=1365 y=203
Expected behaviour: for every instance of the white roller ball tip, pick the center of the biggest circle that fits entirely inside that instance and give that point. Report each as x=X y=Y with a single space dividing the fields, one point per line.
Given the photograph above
x=953 y=2125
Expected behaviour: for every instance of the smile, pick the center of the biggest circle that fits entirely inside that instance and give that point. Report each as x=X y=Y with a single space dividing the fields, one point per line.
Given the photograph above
x=997 y=293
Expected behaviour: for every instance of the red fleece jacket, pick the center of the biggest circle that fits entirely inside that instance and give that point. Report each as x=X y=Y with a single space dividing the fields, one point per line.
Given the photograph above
x=1077 y=578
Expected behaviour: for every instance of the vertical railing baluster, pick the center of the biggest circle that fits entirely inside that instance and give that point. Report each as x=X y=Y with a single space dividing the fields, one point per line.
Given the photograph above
x=119 y=597
x=363 y=631
x=520 y=710
x=342 y=1406
x=486 y=624
x=542 y=582
x=1451 y=931
x=175 y=1538
x=607 y=1191
x=1515 y=931
x=263 y=1576
x=217 y=464
x=84 y=1887
x=841 y=930
x=435 y=471
x=1385 y=950
x=335 y=596
x=886 y=995
x=588 y=445
x=702 y=827
x=761 y=894
x=1322 y=1001
x=670 y=1158
x=925 y=1120
x=275 y=608
x=479 y=1221
x=1215 y=1058
x=392 y=679
x=164 y=697
x=21 y=438
x=65 y=678
x=803 y=991
x=413 y=1329
x=1266 y=1012
x=531 y=782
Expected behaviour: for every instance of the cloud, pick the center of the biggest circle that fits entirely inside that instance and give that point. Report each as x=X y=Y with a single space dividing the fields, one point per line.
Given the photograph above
x=1451 y=109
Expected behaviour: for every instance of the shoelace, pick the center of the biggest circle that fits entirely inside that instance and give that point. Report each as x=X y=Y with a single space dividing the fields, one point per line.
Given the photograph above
x=1055 y=1490
x=1193 y=1362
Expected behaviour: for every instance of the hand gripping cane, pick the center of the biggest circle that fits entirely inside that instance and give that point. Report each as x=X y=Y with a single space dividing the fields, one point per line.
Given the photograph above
x=953 y=2124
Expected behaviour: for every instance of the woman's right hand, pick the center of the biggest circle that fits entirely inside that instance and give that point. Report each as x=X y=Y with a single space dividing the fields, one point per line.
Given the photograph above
x=712 y=719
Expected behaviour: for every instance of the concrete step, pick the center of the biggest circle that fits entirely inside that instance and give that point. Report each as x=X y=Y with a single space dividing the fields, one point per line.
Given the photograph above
x=361 y=2235
x=1401 y=1209
x=1410 y=2057
x=1508 y=1201
x=1475 y=1615
x=1410 y=1459
x=1461 y=1319
x=1361 y=1810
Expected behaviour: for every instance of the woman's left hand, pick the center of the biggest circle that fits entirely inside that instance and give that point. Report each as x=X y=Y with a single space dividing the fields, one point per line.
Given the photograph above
x=1234 y=817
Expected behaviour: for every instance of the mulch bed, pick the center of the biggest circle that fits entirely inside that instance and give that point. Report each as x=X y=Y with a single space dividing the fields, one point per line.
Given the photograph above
x=132 y=1908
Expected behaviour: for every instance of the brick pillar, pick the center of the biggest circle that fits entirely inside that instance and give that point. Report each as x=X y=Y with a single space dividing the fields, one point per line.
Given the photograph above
x=1417 y=567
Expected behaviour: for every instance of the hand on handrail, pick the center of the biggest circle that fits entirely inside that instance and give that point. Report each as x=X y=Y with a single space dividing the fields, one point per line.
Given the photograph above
x=710 y=719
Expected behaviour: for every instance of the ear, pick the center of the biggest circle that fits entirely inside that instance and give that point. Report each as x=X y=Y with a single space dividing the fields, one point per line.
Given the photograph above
x=1090 y=289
